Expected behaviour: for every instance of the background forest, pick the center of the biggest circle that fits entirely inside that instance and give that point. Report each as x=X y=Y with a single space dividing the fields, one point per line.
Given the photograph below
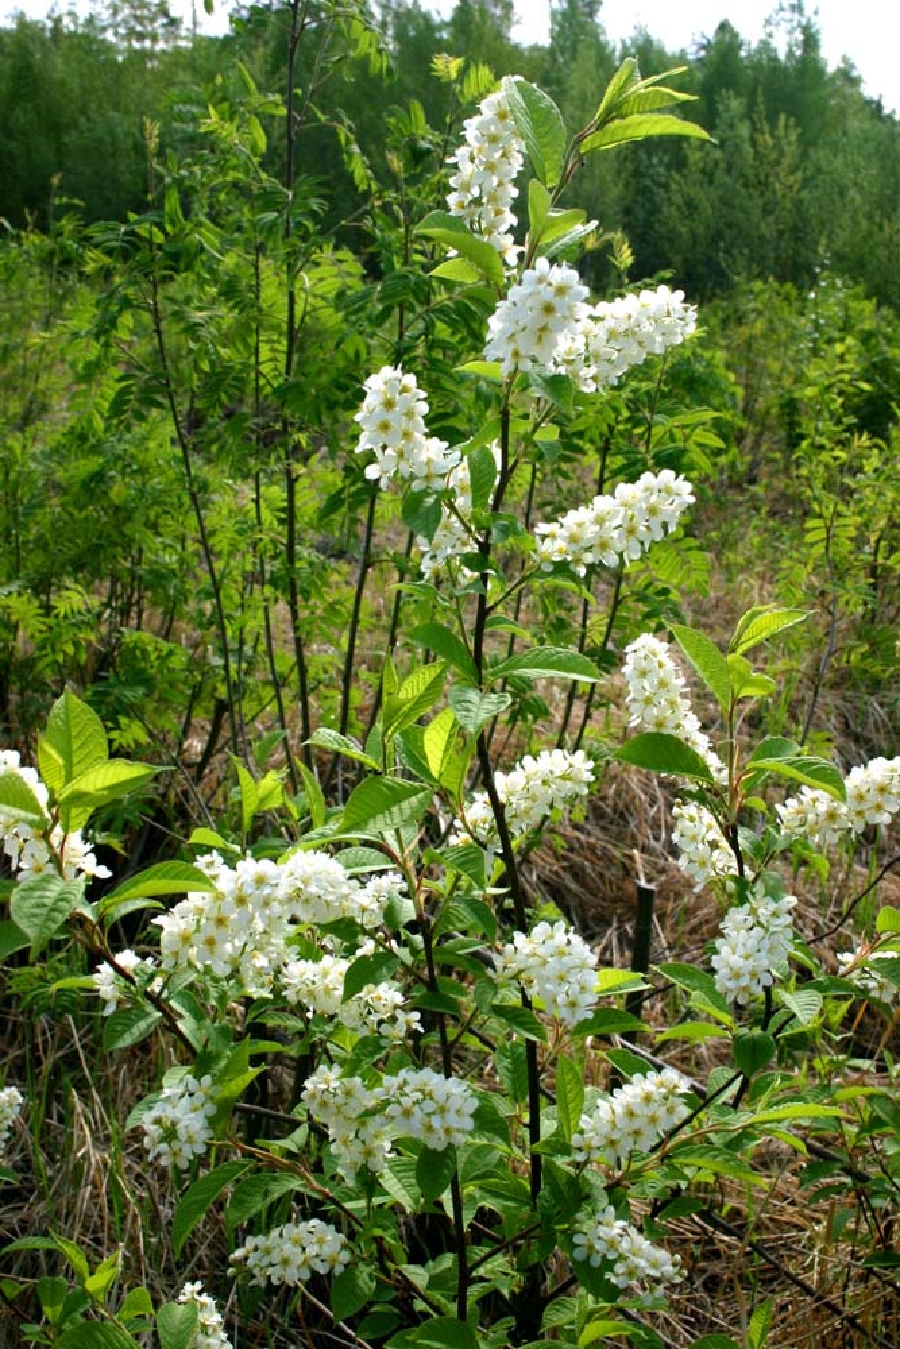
x=212 y=251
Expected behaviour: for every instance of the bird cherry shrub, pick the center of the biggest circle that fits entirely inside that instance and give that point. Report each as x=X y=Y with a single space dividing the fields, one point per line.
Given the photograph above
x=472 y=1148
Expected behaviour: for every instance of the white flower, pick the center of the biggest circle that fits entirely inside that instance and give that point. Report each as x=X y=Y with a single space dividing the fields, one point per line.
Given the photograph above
x=703 y=851
x=210 y=1333
x=614 y=335
x=555 y=965
x=816 y=816
x=537 y=787
x=177 y=1128
x=873 y=793
x=633 y=1119
x=290 y=1254
x=11 y=1102
x=617 y=527
x=108 y=984
x=526 y=328
x=756 y=938
x=601 y=1237
x=487 y=164
x=392 y=426
x=657 y=702
x=420 y=1103
x=861 y=968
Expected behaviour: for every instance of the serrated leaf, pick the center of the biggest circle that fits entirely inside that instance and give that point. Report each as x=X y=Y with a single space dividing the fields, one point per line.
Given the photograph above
x=418 y=693
x=12 y=938
x=435 y=1170
x=438 y=1332
x=888 y=919
x=548 y=662
x=444 y=643
x=608 y=1021
x=257 y=1192
x=492 y=371
x=805 y=1003
x=539 y=200
x=560 y=223
x=128 y=1026
x=325 y=738
x=439 y=739
x=482 y=476
x=450 y=231
x=457 y=269
x=639 y=127
x=761 y=623
x=661 y=753
x=398 y=1177
x=315 y=797
x=473 y=709
x=40 y=905
x=753 y=1050
x=804 y=768
x=351 y=1290
x=176 y=1324
x=198 y=1198
x=541 y=126
x=707 y=660
x=75 y=736
x=165 y=878
x=747 y=682
x=569 y=1096
x=367 y=970
x=421 y=513
x=18 y=801
x=106 y=782
x=95 y=1335
x=380 y=804
x=523 y=1021
x=717 y=1161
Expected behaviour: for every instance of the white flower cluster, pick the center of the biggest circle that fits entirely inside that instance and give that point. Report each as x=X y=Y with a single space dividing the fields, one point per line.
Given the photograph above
x=487 y=165
x=873 y=797
x=756 y=937
x=618 y=526
x=29 y=854
x=632 y=1119
x=527 y=327
x=861 y=968
x=176 y=1128
x=453 y=535
x=11 y=1102
x=210 y=1333
x=536 y=788
x=111 y=987
x=378 y=1009
x=657 y=702
x=602 y=1238
x=703 y=851
x=555 y=965
x=244 y=923
x=290 y=1254
x=361 y=1121
x=392 y=426
x=617 y=334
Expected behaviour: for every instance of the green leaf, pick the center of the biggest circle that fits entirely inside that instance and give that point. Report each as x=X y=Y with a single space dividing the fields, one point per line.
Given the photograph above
x=418 y=693
x=398 y=1177
x=760 y=1324
x=482 y=476
x=96 y=1335
x=128 y=1027
x=661 y=753
x=708 y=661
x=325 y=738
x=18 y=801
x=717 y=1161
x=523 y=1021
x=351 y=1290
x=249 y=796
x=539 y=200
x=457 y=269
x=12 y=938
x=366 y=970
x=639 y=127
x=315 y=798
x=176 y=1324
x=806 y=769
x=438 y=1332
x=137 y=1303
x=608 y=1021
x=547 y=662
x=888 y=919
x=40 y=905
x=197 y=1199
x=569 y=1096
x=257 y=1192
x=753 y=1050
x=761 y=623
x=439 y=740
x=541 y=126
x=625 y=78
x=806 y=1004
x=421 y=513
x=106 y=782
x=747 y=682
x=380 y=804
x=444 y=643
x=473 y=709
x=75 y=739
x=165 y=878
x=450 y=231
x=560 y=223
x=435 y=1170
x=605 y=1329
x=492 y=371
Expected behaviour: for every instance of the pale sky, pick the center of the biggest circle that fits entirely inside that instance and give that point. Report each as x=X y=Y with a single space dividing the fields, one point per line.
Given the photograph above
x=867 y=31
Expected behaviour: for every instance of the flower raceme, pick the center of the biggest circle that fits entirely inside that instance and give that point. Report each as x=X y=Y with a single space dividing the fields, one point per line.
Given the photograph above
x=872 y=798
x=28 y=851
x=177 y=1127
x=210 y=1333
x=756 y=939
x=291 y=1253
x=536 y=788
x=554 y=965
x=392 y=426
x=632 y=1119
x=601 y=1237
x=617 y=527
x=11 y=1102
x=483 y=186
x=656 y=699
